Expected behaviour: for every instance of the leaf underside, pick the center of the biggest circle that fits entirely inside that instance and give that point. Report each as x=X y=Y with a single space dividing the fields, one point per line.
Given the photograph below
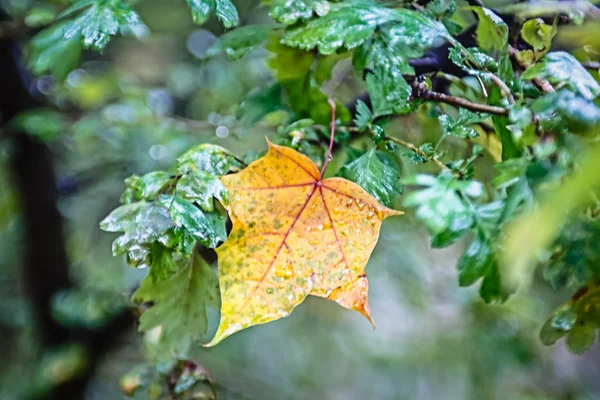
x=293 y=235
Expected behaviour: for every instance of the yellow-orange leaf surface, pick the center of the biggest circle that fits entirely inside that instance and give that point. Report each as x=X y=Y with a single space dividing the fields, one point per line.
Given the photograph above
x=293 y=235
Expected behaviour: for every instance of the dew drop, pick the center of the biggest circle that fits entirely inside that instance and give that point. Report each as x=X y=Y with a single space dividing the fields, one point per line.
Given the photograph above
x=270 y=290
x=320 y=227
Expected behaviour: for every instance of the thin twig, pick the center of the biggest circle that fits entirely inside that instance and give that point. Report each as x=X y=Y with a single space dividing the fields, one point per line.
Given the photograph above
x=420 y=152
x=505 y=89
x=409 y=146
x=332 y=104
x=591 y=65
x=541 y=84
x=420 y=91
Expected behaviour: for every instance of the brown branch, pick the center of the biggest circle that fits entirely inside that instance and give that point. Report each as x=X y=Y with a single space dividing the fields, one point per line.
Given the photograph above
x=541 y=84
x=420 y=91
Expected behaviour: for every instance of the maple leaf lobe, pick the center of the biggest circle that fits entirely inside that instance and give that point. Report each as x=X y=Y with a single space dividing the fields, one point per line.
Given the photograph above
x=293 y=235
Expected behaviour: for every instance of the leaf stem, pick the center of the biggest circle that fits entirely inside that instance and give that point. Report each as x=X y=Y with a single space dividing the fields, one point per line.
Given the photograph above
x=329 y=151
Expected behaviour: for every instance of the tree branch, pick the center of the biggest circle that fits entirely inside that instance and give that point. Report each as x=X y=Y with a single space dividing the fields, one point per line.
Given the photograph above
x=541 y=84
x=421 y=91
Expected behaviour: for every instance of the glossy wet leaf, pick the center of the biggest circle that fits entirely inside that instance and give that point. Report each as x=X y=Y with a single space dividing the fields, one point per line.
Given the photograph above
x=291 y=11
x=363 y=115
x=293 y=235
x=224 y=10
x=492 y=32
x=561 y=68
x=50 y=52
x=210 y=158
x=578 y=319
x=201 y=187
x=179 y=305
x=378 y=179
x=97 y=21
x=146 y=187
x=349 y=26
x=459 y=126
x=208 y=228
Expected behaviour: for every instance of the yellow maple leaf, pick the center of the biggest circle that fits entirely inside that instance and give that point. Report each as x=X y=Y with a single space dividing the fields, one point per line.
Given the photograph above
x=294 y=234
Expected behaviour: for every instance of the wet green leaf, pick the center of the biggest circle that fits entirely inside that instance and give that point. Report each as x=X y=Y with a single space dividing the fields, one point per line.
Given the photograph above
x=562 y=69
x=51 y=52
x=289 y=12
x=210 y=158
x=378 y=179
x=492 y=32
x=538 y=34
x=179 y=306
x=350 y=25
x=224 y=9
x=97 y=21
x=363 y=115
x=459 y=126
x=201 y=187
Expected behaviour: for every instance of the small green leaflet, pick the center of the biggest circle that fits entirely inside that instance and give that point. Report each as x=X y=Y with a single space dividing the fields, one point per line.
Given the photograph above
x=448 y=213
x=98 y=21
x=492 y=32
x=201 y=187
x=380 y=180
x=538 y=34
x=562 y=69
x=210 y=158
x=289 y=12
x=348 y=25
x=179 y=306
x=147 y=187
x=565 y=109
x=459 y=126
x=363 y=116
x=578 y=319
x=49 y=51
x=224 y=9
x=240 y=41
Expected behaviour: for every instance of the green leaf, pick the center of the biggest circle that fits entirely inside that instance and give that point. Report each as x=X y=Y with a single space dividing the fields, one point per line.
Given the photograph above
x=441 y=207
x=538 y=34
x=389 y=92
x=579 y=319
x=377 y=178
x=492 y=290
x=476 y=262
x=208 y=228
x=562 y=69
x=564 y=109
x=201 y=187
x=224 y=9
x=99 y=21
x=179 y=306
x=44 y=123
x=50 y=51
x=459 y=126
x=289 y=12
x=240 y=41
x=210 y=158
x=464 y=59
x=147 y=187
x=350 y=25
x=301 y=75
x=492 y=32
x=363 y=116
